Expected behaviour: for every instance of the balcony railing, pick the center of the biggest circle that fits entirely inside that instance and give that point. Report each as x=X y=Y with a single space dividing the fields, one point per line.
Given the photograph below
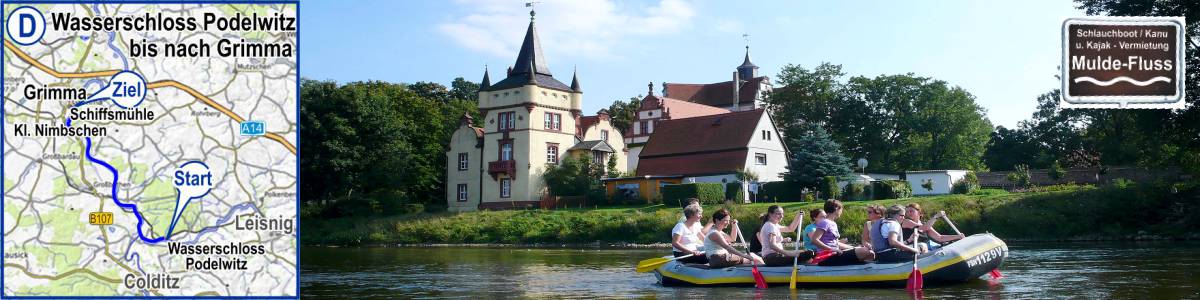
x=508 y=167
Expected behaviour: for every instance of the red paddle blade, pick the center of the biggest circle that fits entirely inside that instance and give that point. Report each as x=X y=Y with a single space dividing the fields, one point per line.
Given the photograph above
x=996 y=274
x=822 y=257
x=915 y=280
x=759 y=281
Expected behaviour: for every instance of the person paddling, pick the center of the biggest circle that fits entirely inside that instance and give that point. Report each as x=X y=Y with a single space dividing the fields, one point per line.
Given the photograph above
x=826 y=237
x=890 y=246
x=720 y=252
x=912 y=222
x=686 y=238
x=771 y=238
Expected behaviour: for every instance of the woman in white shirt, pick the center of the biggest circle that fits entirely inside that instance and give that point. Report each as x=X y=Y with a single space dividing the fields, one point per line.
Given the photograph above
x=772 y=240
x=721 y=253
x=686 y=238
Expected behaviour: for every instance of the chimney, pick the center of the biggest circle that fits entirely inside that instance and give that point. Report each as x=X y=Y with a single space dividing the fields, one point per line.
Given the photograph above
x=737 y=87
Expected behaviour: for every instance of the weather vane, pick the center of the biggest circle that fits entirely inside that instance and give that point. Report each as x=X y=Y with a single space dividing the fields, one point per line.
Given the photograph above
x=746 y=36
x=531 y=8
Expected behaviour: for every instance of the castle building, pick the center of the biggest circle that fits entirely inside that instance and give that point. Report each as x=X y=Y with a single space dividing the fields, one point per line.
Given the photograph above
x=530 y=121
x=687 y=100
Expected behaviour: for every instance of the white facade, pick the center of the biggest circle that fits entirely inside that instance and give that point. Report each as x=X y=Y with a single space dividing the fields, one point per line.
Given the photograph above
x=766 y=143
x=939 y=182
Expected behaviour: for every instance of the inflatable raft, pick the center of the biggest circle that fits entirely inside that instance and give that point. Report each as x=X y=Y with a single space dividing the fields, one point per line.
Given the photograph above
x=957 y=262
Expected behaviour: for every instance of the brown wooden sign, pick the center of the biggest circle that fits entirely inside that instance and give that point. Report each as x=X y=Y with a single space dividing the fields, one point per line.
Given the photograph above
x=1123 y=62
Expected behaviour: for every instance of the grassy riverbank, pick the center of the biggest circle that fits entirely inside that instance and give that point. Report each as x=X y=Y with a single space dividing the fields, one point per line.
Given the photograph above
x=1064 y=212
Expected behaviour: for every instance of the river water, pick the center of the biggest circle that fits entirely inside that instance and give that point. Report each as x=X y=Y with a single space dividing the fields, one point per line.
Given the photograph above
x=1152 y=270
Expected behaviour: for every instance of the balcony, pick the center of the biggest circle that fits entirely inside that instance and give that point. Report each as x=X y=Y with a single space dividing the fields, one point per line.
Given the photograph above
x=496 y=168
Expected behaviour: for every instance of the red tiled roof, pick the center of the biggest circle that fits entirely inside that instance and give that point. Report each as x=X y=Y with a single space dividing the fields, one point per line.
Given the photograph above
x=715 y=94
x=680 y=109
x=710 y=133
x=693 y=164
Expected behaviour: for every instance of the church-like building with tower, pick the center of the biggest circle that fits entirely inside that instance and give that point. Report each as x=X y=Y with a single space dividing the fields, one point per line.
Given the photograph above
x=531 y=120
x=704 y=132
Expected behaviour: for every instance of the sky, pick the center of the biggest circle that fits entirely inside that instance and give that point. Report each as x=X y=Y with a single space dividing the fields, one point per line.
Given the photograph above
x=1005 y=53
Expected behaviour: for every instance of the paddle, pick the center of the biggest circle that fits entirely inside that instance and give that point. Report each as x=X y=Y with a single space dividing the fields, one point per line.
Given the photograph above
x=995 y=272
x=822 y=256
x=653 y=263
x=759 y=281
x=915 y=280
x=796 y=259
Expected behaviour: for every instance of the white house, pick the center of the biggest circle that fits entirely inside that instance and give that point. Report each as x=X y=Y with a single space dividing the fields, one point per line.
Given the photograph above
x=714 y=148
x=933 y=182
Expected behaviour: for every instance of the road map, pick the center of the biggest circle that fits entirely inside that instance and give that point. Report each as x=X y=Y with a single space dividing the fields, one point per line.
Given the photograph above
x=150 y=149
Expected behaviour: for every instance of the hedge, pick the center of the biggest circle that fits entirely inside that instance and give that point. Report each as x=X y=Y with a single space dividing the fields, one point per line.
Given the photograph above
x=856 y=191
x=781 y=191
x=708 y=193
x=829 y=188
x=892 y=189
x=734 y=191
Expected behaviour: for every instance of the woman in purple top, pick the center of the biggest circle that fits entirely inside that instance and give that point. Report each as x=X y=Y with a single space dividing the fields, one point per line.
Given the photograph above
x=826 y=235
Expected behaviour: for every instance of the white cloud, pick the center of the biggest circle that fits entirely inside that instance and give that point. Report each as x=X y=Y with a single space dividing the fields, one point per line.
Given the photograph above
x=592 y=29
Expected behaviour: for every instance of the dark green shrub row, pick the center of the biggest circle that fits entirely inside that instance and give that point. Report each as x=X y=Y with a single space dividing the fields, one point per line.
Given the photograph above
x=735 y=192
x=708 y=193
x=892 y=189
x=781 y=191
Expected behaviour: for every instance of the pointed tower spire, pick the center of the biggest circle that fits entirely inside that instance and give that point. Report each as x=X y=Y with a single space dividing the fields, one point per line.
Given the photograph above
x=575 y=81
x=483 y=85
x=531 y=53
x=747 y=70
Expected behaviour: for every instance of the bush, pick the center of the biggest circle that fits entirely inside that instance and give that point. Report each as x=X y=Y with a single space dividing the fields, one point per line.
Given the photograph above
x=856 y=191
x=969 y=184
x=781 y=191
x=892 y=189
x=809 y=197
x=597 y=195
x=410 y=208
x=734 y=191
x=435 y=208
x=1056 y=171
x=352 y=206
x=1020 y=177
x=1122 y=183
x=829 y=188
x=708 y=193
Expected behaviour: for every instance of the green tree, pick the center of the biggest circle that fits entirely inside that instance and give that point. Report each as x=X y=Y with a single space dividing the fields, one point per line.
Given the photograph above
x=622 y=114
x=815 y=156
x=898 y=122
x=464 y=90
x=572 y=176
x=611 y=171
x=376 y=140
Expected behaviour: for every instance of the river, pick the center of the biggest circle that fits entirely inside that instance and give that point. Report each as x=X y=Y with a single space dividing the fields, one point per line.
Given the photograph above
x=1150 y=270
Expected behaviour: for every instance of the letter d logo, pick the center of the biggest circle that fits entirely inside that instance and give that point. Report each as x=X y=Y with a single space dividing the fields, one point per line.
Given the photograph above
x=25 y=25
